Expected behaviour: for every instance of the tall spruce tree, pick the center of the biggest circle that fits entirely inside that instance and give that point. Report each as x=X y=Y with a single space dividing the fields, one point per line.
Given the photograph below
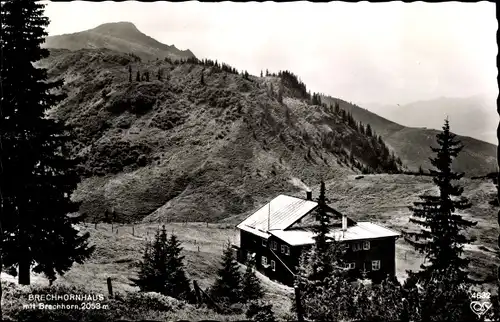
x=177 y=284
x=320 y=276
x=152 y=269
x=227 y=286
x=337 y=107
x=162 y=269
x=38 y=174
x=251 y=288
x=441 y=237
x=281 y=90
x=326 y=256
x=138 y=76
x=369 y=130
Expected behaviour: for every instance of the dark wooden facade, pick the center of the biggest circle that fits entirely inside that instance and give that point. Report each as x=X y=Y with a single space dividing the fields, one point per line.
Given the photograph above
x=376 y=257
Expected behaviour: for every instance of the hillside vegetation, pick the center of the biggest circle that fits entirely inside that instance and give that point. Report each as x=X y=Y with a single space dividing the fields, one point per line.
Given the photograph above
x=197 y=140
x=411 y=144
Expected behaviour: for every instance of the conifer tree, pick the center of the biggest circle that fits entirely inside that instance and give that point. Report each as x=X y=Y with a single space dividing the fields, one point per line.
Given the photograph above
x=138 y=76
x=441 y=237
x=322 y=261
x=281 y=89
x=130 y=73
x=160 y=74
x=177 y=284
x=251 y=288
x=147 y=76
x=152 y=269
x=369 y=130
x=202 y=79
x=261 y=73
x=38 y=175
x=162 y=268
x=227 y=286
x=337 y=107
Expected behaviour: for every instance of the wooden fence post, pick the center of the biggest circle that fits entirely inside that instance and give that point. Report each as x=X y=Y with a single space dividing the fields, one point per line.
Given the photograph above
x=298 y=304
x=110 y=287
x=197 y=293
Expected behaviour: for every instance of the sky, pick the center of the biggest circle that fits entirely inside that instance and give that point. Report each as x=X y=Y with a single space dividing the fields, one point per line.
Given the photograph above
x=385 y=53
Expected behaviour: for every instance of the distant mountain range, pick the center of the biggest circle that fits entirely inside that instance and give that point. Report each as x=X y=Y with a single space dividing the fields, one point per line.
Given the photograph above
x=474 y=116
x=119 y=36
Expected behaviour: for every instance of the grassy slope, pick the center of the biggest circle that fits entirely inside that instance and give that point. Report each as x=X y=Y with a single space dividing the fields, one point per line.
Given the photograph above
x=210 y=151
x=412 y=144
x=378 y=198
x=118 y=252
x=213 y=151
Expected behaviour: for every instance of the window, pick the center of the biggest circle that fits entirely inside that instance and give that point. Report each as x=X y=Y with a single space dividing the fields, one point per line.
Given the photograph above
x=356 y=247
x=285 y=249
x=366 y=245
x=274 y=245
x=350 y=265
x=375 y=265
x=264 y=261
x=273 y=265
x=264 y=243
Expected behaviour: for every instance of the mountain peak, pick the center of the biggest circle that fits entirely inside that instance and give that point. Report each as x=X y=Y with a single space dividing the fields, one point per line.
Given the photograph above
x=122 y=36
x=116 y=28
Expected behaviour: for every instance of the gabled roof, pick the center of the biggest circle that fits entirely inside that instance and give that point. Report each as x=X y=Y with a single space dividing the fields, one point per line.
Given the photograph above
x=361 y=231
x=279 y=214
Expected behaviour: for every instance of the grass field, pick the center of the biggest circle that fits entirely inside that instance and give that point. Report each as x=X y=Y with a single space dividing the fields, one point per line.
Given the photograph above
x=118 y=252
x=378 y=198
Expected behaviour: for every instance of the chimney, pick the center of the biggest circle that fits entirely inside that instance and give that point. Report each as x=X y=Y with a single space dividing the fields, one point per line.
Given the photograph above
x=344 y=222
x=309 y=195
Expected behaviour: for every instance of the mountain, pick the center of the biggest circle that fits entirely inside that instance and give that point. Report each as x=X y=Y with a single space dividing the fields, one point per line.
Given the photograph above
x=412 y=144
x=120 y=36
x=474 y=116
x=180 y=148
x=198 y=141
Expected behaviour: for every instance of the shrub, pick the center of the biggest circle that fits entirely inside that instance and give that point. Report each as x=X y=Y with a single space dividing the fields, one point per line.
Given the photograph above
x=153 y=301
x=260 y=311
x=113 y=157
